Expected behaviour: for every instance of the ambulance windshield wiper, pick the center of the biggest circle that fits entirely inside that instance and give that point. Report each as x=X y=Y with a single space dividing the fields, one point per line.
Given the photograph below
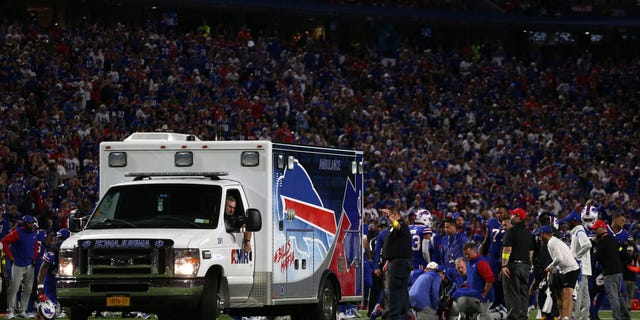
x=110 y=222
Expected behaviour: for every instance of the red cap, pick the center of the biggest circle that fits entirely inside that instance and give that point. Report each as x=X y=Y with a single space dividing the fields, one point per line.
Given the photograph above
x=598 y=224
x=519 y=212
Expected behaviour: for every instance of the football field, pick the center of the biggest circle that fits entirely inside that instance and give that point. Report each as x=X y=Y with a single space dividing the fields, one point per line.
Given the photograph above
x=604 y=315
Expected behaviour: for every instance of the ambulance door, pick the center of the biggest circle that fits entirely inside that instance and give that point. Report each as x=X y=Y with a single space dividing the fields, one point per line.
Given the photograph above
x=240 y=273
x=300 y=272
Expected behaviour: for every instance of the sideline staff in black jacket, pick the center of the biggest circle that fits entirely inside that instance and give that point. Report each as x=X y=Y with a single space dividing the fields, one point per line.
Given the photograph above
x=607 y=253
x=397 y=253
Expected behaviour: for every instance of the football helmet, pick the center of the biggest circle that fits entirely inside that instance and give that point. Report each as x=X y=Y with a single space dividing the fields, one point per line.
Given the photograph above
x=589 y=214
x=46 y=309
x=63 y=234
x=424 y=217
x=41 y=234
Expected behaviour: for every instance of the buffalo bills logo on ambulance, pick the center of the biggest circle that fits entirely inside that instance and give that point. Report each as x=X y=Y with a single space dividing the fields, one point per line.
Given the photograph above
x=335 y=226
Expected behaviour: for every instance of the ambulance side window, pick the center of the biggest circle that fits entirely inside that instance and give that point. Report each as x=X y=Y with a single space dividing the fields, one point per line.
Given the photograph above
x=234 y=216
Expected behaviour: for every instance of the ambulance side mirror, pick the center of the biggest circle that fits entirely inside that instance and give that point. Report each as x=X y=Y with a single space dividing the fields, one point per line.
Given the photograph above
x=77 y=223
x=254 y=220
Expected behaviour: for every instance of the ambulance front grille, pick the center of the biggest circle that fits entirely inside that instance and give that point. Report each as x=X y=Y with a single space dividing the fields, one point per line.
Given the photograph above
x=123 y=261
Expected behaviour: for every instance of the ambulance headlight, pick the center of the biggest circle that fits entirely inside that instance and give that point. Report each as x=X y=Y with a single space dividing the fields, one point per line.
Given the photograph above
x=183 y=159
x=186 y=263
x=65 y=265
x=117 y=159
x=250 y=159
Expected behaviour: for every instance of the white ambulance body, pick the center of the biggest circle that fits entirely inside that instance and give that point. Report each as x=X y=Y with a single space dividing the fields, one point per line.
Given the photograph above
x=157 y=241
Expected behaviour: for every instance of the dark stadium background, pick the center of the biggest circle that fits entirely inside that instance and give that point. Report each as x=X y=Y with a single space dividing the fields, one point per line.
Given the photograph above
x=424 y=24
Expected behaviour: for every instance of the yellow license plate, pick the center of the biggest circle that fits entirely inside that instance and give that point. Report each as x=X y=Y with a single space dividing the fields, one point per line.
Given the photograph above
x=118 y=301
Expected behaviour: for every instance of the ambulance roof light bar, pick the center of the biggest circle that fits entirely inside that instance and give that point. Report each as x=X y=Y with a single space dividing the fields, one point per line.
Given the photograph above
x=141 y=175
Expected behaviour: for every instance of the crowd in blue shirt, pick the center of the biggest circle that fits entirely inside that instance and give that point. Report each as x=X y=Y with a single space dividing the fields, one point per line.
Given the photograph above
x=452 y=130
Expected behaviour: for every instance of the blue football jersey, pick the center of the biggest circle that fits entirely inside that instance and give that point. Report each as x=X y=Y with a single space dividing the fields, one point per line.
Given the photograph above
x=496 y=233
x=622 y=236
x=417 y=235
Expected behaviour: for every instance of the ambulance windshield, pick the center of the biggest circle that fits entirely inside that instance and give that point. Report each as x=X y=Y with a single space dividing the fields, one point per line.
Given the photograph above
x=169 y=205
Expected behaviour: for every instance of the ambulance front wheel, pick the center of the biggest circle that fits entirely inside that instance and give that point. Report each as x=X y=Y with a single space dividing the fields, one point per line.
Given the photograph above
x=210 y=300
x=327 y=304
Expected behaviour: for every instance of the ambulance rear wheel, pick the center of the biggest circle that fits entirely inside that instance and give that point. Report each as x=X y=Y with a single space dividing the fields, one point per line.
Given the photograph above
x=327 y=304
x=209 y=301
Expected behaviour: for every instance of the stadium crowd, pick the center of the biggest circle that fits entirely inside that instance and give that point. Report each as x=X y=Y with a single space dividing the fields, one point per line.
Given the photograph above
x=455 y=131
x=541 y=136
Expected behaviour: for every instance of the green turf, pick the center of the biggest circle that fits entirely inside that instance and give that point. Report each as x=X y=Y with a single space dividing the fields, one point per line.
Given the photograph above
x=604 y=315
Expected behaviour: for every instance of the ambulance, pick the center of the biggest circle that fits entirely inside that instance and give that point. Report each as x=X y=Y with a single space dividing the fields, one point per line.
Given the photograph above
x=159 y=240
